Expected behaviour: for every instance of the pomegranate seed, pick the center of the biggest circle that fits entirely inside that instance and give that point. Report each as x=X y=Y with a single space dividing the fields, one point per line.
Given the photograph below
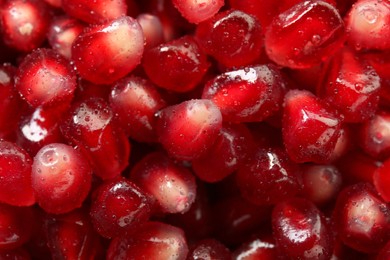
x=314 y=29
x=119 y=208
x=198 y=11
x=154 y=240
x=171 y=185
x=209 y=249
x=134 y=102
x=54 y=3
x=310 y=130
x=381 y=180
x=361 y=218
x=63 y=30
x=256 y=248
x=367 y=25
x=61 y=178
x=178 y=65
x=45 y=78
x=247 y=95
x=233 y=38
x=152 y=29
x=15 y=175
x=268 y=177
x=188 y=129
x=89 y=125
x=107 y=52
x=95 y=11
x=24 y=23
x=301 y=231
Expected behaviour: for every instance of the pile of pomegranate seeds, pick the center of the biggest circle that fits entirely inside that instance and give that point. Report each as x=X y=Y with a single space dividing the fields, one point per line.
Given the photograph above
x=195 y=129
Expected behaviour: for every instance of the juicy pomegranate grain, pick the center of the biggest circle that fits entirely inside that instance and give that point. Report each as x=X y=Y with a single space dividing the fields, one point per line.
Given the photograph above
x=256 y=248
x=196 y=11
x=152 y=29
x=61 y=178
x=209 y=249
x=381 y=179
x=107 y=52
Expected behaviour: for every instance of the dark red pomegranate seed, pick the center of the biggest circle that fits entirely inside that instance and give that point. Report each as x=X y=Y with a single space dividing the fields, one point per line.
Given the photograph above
x=233 y=38
x=172 y=186
x=314 y=30
x=310 y=130
x=301 y=231
x=119 y=208
x=177 y=65
x=107 y=52
x=188 y=129
x=381 y=179
x=15 y=175
x=362 y=218
x=61 y=178
x=257 y=248
x=45 y=78
x=24 y=23
x=95 y=11
x=89 y=125
x=197 y=11
x=209 y=249
x=135 y=101
x=247 y=95
x=154 y=240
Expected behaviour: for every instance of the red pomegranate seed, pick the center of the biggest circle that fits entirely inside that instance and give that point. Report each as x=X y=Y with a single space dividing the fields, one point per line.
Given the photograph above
x=188 y=129
x=247 y=95
x=54 y=3
x=154 y=240
x=119 y=208
x=343 y=144
x=367 y=25
x=209 y=249
x=268 y=177
x=381 y=179
x=310 y=130
x=89 y=125
x=178 y=65
x=63 y=30
x=362 y=218
x=107 y=52
x=225 y=156
x=198 y=11
x=15 y=175
x=233 y=38
x=15 y=226
x=24 y=23
x=152 y=29
x=172 y=186
x=257 y=248
x=45 y=78
x=95 y=11
x=134 y=102
x=352 y=87
x=61 y=178
x=321 y=183
x=301 y=231
x=314 y=30
x=71 y=236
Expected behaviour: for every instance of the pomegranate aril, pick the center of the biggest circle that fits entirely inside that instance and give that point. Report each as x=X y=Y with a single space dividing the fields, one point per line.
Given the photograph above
x=15 y=175
x=351 y=86
x=362 y=218
x=119 y=208
x=314 y=29
x=367 y=25
x=61 y=178
x=247 y=95
x=210 y=249
x=233 y=38
x=106 y=52
x=152 y=29
x=154 y=240
x=381 y=179
x=198 y=11
x=134 y=102
x=177 y=65
x=54 y=3
x=172 y=186
x=44 y=78
x=96 y=11
x=310 y=130
x=24 y=23
x=63 y=30
x=188 y=129
x=89 y=125
x=257 y=248
x=300 y=230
